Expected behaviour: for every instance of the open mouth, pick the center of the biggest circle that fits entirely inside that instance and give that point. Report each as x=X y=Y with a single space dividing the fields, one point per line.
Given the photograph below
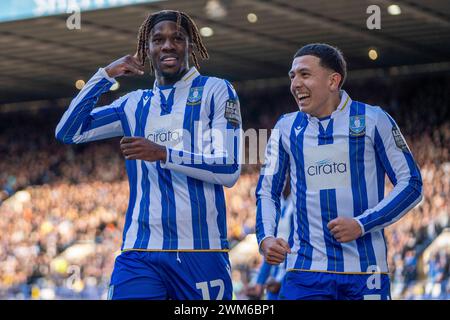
x=169 y=61
x=302 y=97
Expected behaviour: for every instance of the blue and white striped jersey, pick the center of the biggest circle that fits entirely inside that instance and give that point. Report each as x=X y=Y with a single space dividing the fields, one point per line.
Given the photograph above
x=338 y=170
x=179 y=204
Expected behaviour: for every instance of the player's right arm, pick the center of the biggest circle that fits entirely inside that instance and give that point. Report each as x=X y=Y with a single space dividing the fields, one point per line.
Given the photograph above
x=268 y=192
x=81 y=122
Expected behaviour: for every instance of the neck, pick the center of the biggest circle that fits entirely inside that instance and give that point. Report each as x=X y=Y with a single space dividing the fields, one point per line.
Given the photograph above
x=170 y=79
x=329 y=106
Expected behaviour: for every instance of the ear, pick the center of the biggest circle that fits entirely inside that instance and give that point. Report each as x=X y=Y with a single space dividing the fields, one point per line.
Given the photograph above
x=335 y=80
x=190 y=47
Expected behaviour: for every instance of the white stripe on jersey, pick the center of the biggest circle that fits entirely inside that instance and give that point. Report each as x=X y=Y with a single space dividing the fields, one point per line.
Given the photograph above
x=156 y=234
x=213 y=227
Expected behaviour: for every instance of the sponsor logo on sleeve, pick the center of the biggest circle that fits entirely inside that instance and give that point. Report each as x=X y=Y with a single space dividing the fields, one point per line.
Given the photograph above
x=232 y=113
x=399 y=140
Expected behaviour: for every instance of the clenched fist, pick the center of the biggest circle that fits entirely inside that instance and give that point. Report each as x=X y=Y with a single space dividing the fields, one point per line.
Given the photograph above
x=275 y=250
x=139 y=148
x=125 y=66
x=344 y=229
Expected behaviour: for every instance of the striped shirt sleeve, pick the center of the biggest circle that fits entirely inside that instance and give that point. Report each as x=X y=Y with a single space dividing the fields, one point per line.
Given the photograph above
x=264 y=273
x=402 y=170
x=270 y=185
x=82 y=123
x=222 y=165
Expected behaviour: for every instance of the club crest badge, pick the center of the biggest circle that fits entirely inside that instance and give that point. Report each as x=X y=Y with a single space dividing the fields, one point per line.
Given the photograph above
x=195 y=96
x=357 y=126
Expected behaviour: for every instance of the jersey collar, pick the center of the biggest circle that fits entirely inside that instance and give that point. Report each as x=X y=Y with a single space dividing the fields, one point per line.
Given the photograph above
x=185 y=81
x=341 y=109
x=343 y=106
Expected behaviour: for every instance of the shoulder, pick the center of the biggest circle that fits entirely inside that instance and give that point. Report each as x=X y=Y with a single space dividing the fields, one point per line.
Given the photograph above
x=218 y=83
x=291 y=116
x=140 y=93
x=216 y=80
x=286 y=120
x=378 y=119
x=133 y=97
x=219 y=86
x=379 y=115
x=372 y=113
x=135 y=93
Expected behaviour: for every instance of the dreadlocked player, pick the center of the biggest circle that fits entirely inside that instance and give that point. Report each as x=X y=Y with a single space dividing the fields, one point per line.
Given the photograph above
x=181 y=146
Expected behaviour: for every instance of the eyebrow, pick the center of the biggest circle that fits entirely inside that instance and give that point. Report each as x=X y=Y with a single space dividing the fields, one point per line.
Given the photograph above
x=292 y=71
x=176 y=33
x=155 y=33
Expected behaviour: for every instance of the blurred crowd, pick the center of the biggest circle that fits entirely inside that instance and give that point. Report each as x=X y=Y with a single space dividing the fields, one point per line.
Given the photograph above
x=62 y=207
x=34 y=157
x=38 y=224
x=408 y=238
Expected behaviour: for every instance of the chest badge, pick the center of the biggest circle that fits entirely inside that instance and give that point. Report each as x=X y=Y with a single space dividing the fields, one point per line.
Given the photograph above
x=357 y=126
x=195 y=96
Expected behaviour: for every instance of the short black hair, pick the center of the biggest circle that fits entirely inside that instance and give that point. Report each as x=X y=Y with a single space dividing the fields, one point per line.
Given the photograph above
x=330 y=57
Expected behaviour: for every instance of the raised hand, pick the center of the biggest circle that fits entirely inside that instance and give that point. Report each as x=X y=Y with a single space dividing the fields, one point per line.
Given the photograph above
x=126 y=66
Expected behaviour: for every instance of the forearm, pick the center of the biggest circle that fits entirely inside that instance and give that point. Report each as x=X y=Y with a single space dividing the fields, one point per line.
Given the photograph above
x=270 y=185
x=206 y=167
x=400 y=200
x=78 y=114
x=267 y=213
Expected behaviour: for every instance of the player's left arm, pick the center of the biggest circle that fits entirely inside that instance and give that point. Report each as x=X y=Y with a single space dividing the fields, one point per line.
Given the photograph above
x=403 y=172
x=221 y=164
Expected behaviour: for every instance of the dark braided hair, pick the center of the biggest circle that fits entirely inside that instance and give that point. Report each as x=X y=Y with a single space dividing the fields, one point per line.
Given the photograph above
x=182 y=20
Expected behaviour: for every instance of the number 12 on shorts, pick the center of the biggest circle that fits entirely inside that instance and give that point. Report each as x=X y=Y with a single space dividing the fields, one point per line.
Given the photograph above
x=203 y=286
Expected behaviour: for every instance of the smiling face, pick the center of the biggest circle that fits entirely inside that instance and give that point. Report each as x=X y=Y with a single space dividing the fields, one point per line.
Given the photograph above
x=313 y=86
x=169 y=50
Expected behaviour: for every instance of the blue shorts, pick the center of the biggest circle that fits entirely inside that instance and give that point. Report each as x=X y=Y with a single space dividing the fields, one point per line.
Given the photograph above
x=304 y=285
x=171 y=275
